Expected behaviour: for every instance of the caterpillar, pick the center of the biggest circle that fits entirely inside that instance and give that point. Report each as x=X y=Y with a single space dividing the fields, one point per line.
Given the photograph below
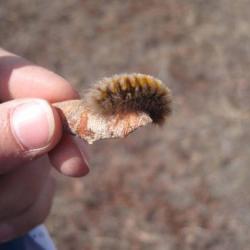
x=131 y=93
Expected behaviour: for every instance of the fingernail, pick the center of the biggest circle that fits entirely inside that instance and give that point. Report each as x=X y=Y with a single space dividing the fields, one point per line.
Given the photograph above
x=6 y=233
x=33 y=124
x=83 y=149
x=85 y=158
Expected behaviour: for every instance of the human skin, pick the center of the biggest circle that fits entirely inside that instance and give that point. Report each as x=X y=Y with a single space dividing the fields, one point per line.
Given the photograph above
x=31 y=142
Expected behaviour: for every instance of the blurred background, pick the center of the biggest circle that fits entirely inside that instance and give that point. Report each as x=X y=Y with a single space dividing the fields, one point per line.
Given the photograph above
x=185 y=185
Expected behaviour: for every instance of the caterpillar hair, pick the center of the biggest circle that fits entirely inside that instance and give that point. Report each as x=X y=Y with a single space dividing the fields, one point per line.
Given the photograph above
x=127 y=93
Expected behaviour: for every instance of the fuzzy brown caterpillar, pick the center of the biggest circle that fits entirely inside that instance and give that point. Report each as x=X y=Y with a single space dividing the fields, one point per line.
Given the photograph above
x=130 y=93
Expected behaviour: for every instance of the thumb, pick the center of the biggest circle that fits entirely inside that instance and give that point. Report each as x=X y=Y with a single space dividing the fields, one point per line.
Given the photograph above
x=28 y=128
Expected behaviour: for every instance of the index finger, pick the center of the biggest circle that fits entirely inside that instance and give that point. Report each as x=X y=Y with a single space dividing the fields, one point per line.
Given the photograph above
x=20 y=78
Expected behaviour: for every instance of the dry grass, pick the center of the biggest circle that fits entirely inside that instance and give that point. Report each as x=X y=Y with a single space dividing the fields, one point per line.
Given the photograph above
x=185 y=186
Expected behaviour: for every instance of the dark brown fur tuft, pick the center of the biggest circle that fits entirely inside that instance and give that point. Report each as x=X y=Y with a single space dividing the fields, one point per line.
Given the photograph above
x=130 y=93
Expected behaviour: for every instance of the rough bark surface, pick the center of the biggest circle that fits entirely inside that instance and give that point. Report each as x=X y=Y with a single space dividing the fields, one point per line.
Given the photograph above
x=91 y=127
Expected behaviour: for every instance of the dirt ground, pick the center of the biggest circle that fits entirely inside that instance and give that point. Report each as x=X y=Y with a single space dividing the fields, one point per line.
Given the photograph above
x=180 y=187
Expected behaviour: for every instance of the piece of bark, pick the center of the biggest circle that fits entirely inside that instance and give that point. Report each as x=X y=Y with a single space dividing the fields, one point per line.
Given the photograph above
x=79 y=121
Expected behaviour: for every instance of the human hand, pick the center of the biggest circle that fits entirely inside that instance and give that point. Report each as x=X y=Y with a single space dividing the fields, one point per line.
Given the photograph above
x=31 y=142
